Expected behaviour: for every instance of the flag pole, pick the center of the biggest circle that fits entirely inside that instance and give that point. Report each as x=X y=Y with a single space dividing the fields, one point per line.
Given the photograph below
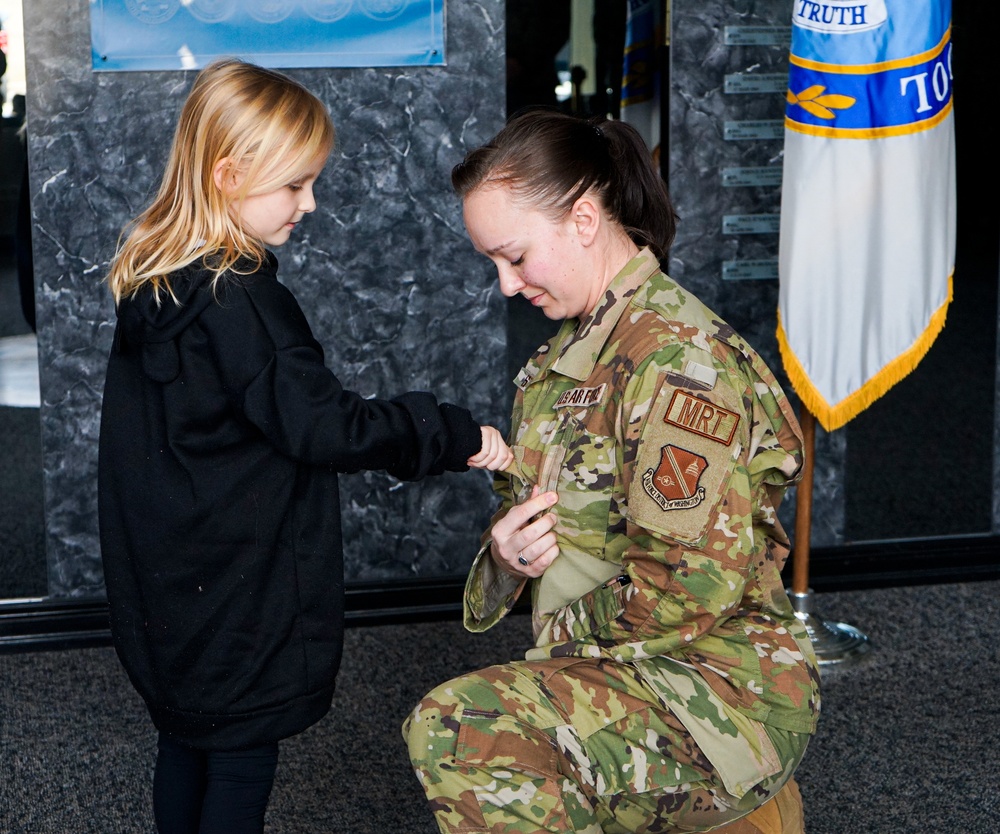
x=834 y=643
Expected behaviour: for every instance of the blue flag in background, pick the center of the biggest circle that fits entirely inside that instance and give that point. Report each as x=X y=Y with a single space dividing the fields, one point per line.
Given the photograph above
x=640 y=99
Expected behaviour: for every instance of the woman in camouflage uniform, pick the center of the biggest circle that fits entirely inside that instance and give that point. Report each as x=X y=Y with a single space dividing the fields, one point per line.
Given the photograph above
x=671 y=687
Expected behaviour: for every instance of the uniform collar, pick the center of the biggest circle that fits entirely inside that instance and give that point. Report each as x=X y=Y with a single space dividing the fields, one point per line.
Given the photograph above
x=577 y=355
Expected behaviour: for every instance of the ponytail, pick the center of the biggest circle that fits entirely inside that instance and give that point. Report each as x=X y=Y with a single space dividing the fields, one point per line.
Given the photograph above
x=636 y=195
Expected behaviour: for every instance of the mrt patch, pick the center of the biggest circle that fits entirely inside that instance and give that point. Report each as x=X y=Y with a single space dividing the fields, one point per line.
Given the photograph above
x=696 y=415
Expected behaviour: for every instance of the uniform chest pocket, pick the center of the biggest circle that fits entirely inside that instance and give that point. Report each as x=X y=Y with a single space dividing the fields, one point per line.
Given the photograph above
x=582 y=466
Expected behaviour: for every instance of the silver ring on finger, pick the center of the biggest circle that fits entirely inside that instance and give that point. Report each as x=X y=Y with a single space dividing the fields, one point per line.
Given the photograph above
x=521 y=559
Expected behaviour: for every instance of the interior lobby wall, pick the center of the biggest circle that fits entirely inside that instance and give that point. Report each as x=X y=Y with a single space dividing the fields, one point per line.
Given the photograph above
x=383 y=269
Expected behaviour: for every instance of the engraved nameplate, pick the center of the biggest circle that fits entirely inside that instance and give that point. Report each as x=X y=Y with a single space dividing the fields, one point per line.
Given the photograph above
x=751 y=270
x=754 y=130
x=749 y=82
x=757 y=35
x=761 y=176
x=750 y=224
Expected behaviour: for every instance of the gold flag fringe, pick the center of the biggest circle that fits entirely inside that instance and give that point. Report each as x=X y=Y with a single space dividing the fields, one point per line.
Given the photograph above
x=834 y=416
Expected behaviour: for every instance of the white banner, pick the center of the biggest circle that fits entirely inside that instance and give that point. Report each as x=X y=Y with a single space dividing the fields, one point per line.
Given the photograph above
x=867 y=244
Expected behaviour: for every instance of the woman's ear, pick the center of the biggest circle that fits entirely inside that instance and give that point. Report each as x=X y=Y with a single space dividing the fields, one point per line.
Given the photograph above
x=224 y=175
x=586 y=217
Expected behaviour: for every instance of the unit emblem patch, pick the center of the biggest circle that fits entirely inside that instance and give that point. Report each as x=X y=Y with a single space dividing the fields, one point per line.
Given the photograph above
x=696 y=415
x=674 y=484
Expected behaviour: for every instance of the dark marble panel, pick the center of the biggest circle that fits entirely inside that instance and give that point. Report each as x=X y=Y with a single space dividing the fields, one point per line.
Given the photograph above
x=706 y=122
x=382 y=268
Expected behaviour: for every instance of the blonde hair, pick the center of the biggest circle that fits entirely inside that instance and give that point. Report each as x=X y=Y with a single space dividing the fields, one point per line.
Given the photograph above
x=270 y=128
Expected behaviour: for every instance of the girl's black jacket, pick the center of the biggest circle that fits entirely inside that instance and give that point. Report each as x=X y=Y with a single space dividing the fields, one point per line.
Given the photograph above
x=222 y=433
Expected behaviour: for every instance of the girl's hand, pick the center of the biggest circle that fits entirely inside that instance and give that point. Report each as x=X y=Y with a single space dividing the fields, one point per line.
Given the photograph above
x=523 y=542
x=495 y=454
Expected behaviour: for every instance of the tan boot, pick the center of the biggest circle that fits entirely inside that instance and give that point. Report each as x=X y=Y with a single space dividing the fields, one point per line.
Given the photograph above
x=781 y=814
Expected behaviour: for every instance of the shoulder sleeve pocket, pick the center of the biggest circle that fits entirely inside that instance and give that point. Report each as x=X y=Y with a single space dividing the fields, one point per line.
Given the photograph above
x=688 y=450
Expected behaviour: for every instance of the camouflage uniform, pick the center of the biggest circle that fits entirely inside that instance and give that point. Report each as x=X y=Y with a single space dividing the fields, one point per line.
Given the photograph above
x=671 y=687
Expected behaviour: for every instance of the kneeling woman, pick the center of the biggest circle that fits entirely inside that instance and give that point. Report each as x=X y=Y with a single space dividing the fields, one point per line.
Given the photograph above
x=671 y=687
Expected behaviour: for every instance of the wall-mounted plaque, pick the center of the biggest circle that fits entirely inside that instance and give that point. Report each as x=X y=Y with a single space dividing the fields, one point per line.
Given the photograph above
x=764 y=269
x=754 y=130
x=758 y=176
x=188 y=34
x=757 y=35
x=751 y=224
x=750 y=82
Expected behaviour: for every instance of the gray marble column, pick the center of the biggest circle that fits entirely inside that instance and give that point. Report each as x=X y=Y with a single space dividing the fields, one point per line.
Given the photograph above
x=728 y=76
x=382 y=269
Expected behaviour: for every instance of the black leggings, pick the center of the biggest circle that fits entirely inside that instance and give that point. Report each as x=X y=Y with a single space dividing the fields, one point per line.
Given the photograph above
x=212 y=791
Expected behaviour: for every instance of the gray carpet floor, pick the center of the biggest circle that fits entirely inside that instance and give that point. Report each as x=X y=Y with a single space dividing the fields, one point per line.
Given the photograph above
x=907 y=741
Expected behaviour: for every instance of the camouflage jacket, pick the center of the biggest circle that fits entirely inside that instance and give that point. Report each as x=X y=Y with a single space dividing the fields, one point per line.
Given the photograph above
x=670 y=444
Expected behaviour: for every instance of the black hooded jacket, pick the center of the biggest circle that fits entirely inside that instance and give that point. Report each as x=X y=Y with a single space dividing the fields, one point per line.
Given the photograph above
x=222 y=433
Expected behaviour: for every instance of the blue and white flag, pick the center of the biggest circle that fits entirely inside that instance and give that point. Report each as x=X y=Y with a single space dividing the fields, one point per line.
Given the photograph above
x=640 y=99
x=867 y=246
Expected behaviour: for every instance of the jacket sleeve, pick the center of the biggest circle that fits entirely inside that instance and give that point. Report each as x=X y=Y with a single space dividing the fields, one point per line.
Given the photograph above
x=489 y=592
x=275 y=373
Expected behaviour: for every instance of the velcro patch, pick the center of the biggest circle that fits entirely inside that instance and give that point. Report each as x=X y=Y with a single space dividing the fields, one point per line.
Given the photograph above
x=581 y=397
x=695 y=376
x=701 y=417
x=523 y=378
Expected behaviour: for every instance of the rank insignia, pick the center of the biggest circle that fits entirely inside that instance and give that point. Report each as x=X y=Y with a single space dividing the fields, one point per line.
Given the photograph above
x=674 y=484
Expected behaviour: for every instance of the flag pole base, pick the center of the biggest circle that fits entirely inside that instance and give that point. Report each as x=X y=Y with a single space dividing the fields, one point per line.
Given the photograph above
x=834 y=643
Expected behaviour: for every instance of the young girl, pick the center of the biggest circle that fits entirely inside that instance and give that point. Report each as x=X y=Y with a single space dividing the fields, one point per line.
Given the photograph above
x=222 y=434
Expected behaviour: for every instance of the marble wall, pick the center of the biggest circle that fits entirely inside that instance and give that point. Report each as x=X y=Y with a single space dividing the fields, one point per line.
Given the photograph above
x=383 y=269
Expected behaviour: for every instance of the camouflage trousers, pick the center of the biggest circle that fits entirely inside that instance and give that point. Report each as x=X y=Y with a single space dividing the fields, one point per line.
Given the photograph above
x=570 y=744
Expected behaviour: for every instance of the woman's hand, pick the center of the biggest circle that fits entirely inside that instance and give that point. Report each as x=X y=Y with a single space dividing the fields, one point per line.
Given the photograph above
x=523 y=542
x=495 y=454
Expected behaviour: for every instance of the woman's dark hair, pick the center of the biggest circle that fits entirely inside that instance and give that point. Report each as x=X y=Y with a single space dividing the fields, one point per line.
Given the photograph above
x=550 y=159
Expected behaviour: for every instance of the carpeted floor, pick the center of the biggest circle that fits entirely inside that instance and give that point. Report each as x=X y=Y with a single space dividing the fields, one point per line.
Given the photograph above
x=907 y=741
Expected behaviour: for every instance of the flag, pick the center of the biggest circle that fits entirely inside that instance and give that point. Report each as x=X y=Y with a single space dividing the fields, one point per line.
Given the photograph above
x=640 y=98
x=867 y=239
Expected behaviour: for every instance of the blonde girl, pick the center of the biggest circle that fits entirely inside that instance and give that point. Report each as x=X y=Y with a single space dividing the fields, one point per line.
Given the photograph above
x=244 y=131
x=222 y=434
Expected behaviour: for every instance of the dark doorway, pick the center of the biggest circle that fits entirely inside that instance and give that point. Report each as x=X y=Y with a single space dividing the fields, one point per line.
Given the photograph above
x=920 y=460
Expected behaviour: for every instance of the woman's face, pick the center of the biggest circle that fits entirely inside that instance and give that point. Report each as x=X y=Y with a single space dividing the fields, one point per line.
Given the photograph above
x=547 y=261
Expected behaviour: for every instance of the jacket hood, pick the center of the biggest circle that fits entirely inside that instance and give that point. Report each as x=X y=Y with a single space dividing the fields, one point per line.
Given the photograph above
x=152 y=327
